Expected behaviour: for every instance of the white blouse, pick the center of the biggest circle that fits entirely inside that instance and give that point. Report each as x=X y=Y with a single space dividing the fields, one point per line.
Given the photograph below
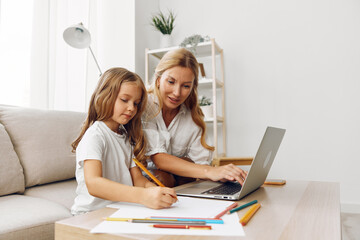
x=181 y=138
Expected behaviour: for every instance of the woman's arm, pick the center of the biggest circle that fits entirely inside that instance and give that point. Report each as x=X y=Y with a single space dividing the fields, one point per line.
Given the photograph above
x=178 y=166
x=138 y=179
x=98 y=186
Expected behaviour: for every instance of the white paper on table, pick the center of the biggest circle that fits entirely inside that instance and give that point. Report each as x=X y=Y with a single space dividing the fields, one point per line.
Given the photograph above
x=185 y=207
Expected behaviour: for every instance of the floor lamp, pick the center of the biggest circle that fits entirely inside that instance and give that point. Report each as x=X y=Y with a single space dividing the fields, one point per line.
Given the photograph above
x=78 y=36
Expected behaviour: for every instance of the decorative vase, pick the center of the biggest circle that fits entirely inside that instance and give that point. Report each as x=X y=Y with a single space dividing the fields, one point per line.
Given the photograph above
x=207 y=111
x=166 y=40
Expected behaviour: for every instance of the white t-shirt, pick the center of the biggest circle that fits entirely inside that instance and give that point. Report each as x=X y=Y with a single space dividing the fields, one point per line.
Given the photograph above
x=114 y=151
x=182 y=138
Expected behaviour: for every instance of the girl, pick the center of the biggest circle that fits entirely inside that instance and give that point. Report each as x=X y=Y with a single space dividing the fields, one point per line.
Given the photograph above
x=174 y=126
x=105 y=171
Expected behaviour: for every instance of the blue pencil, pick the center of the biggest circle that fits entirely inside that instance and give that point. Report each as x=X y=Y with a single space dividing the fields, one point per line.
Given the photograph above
x=207 y=220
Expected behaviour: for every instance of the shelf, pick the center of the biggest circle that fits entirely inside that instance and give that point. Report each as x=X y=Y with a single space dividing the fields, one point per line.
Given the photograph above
x=202 y=50
x=210 y=120
x=207 y=50
x=221 y=160
x=207 y=82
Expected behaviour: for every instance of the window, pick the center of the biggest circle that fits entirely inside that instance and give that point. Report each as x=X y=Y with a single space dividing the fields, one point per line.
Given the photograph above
x=15 y=48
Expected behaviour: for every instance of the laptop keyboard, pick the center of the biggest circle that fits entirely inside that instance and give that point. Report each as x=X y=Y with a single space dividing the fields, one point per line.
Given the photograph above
x=227 y=188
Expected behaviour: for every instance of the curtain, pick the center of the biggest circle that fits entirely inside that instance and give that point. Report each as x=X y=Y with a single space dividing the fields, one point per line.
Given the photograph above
x=15 y=39
x=58 y=74
x=62 y=77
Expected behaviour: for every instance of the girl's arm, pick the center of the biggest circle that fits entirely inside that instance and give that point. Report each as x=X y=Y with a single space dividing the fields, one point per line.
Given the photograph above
x=138 y=179
x=178 y=166
x=98 y=186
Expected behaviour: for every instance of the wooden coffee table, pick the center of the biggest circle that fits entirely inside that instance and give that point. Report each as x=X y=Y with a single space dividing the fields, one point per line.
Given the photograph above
x=296 y=210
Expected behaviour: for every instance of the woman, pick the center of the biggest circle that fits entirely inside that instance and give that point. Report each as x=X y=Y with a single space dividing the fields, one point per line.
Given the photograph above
x=174 y=126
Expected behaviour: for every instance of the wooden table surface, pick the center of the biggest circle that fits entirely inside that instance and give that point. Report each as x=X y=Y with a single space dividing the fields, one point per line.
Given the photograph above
x=296 y=210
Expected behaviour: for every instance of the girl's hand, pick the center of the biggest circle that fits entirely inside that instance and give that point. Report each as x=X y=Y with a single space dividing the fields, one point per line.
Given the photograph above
x=158 y=197
x=227 y=173
x=149 y=184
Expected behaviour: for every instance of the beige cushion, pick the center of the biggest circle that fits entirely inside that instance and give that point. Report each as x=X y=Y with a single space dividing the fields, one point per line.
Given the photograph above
x=63 y=192
x=25 y=217
x=42 y=141
x=11 y=172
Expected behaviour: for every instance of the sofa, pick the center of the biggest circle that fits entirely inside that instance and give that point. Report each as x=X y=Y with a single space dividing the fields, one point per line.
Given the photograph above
x=37 y=170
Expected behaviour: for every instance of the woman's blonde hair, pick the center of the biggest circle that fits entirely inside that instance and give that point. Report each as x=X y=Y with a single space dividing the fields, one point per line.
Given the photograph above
x=102 y=103
x=182 y=58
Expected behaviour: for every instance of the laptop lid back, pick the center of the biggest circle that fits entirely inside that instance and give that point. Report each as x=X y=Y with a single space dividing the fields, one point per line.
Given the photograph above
x=256 y=176
x=263 y=160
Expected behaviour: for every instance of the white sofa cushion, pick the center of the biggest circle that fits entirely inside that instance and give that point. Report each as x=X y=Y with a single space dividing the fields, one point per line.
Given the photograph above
x=11 y=172
x=63 y=192
x=42 y=140
x=29 y=218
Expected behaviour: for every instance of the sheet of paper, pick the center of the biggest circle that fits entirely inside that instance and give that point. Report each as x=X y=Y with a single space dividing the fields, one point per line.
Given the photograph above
x=185 y=207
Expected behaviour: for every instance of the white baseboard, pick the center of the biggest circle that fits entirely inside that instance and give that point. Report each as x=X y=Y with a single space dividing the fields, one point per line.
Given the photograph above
x=350 y=208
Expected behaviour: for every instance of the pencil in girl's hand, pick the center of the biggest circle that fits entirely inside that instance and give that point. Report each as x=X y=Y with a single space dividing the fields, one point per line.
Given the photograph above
x=139 y=164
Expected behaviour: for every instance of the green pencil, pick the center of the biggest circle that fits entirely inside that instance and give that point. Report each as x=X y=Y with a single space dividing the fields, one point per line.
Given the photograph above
x=242 y=206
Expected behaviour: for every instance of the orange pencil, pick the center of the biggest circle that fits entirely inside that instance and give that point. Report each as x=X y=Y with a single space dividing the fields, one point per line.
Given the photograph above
x=232 y=206
x=245 y=219
x=139 y=164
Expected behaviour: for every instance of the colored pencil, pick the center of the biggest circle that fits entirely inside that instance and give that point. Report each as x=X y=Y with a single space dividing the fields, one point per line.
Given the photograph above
x=162 y=221
x=207 y=220
x=248 y=215
x=170 y=222
x=139 y=164
x=234 y=205
x=242 y=206
x=131 y=219
x=206 y=227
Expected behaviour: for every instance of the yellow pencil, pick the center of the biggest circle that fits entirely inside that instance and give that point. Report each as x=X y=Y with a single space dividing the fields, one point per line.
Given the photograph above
x=247 y=216
x=139 y=164
x=148 y=173
x=139 y=219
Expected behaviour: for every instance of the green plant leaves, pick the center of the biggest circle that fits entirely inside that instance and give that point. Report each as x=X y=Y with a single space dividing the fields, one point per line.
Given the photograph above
x=162 y=23
x=204 y=101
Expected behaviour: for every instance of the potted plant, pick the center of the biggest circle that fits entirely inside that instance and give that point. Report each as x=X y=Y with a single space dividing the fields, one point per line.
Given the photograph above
x=165 y=25
x=193 y=41
x=206 y=106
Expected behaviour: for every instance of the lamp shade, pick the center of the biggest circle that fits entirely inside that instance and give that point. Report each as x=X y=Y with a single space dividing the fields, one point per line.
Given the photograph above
x=77 y=36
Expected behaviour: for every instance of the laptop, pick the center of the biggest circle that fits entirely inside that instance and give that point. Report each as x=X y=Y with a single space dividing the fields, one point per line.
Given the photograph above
x=257 y=174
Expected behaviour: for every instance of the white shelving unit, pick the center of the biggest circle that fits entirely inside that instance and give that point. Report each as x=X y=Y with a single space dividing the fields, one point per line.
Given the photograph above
x=214 y=83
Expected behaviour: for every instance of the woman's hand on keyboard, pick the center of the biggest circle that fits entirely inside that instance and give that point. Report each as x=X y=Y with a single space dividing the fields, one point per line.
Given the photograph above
x=225 y=173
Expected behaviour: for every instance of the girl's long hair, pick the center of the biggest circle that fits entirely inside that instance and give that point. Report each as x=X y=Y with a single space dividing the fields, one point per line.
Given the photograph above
x=183 y=58
x=102 y=103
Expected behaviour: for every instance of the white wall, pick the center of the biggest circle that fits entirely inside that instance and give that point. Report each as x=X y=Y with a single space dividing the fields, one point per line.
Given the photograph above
x=145 y=37
x=291 y=64
x=116 y=26
x=112 y=27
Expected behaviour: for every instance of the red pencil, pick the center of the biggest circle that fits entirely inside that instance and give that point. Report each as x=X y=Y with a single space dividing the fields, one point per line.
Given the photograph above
x=234 y=205
x=200 y=227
